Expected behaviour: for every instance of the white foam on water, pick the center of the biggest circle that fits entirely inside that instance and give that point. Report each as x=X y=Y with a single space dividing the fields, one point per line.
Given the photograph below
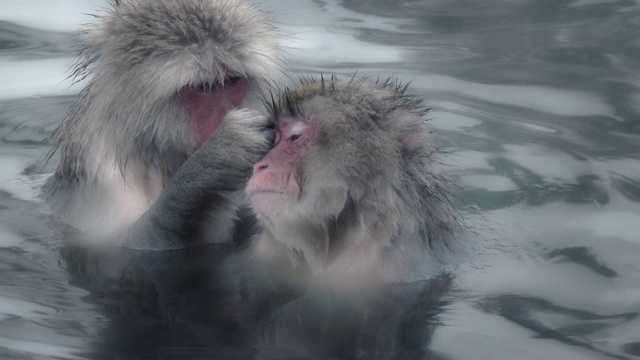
x=23 y=309
x=618 y=224
x=28 y=78
x=578 y=3
x=537 y=128
x=12 y=180
x=489 y=182
x=449 y=121
x=310 y=41
x=8 y=239
x=539 y=98
x=319 y=45
x=624 y=166
x=470 y=159
x=310 y=13
x=40 y=348
x=527 y=272
x=62 y=16
x=550 y=164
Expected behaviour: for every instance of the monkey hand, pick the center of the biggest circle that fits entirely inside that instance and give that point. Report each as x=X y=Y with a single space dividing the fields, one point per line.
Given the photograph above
x=225 y=162
x=203 y=193
x=241 y=141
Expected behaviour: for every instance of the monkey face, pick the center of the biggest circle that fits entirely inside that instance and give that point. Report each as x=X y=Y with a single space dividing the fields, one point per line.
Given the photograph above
x=184 y=64
x=336 y=144
x=296 y=178
x=313 y=168
x=276 y=180
x=207 y=104
x=162 y=76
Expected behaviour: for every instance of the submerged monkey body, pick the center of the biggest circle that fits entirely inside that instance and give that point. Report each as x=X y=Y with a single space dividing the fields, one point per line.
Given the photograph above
x=163 y=75
x=352 y=181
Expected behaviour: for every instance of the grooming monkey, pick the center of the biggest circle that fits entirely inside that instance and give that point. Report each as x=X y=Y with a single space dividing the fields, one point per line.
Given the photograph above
x=351 y=182
x=164 y=75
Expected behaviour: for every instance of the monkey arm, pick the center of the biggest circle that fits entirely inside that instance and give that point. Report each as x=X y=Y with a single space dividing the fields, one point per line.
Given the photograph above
x=200 y=202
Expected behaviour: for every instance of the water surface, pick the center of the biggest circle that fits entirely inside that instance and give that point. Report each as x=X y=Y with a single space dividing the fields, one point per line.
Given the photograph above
x=537 y=104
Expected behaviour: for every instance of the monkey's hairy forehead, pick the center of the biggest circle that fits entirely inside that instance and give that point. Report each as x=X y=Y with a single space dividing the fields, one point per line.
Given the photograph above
x=334 y=113
x=347 y=129
x=341 y=106
x=330 y=88
x=183 y=22
x=352 y=94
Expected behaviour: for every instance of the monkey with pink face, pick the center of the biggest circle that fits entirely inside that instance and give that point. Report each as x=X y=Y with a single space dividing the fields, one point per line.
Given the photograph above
x=351 y=183
x=165 y=81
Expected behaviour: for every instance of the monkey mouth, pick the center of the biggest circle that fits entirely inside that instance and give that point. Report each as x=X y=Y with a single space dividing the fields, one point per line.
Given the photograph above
x=267 y=191
x=208 y=102
x=266 y=201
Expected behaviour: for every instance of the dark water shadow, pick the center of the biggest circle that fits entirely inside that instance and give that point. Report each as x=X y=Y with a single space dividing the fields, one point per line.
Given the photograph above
x=216 y=302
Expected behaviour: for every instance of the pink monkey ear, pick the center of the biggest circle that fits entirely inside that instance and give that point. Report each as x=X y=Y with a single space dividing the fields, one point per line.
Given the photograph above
x=410 y=130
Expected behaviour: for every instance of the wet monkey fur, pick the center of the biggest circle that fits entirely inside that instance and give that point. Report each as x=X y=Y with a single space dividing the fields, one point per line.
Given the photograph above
x=352 y=181
x=162 y=77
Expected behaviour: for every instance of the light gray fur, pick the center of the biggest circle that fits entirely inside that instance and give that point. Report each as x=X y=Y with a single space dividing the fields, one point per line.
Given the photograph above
x=126 y=129
x=201 y=200
x=371 y=196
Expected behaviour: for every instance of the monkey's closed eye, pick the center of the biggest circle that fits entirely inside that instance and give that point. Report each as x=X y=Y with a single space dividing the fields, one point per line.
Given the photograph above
x=207 y=86
x=294 y=137
x=231 y=81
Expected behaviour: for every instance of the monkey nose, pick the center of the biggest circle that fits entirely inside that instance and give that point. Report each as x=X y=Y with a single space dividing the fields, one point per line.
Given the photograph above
x=259 y=167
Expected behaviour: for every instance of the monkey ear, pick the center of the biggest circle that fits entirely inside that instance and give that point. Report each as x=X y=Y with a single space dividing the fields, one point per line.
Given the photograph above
x=409 y=129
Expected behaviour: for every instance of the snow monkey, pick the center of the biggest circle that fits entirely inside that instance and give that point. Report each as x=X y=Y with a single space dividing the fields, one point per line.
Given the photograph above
x=351 y=182
x=162 y=77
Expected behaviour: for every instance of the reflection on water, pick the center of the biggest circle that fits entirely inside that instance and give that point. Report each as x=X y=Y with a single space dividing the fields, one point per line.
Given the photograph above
x=211 y=301
x=538 y=106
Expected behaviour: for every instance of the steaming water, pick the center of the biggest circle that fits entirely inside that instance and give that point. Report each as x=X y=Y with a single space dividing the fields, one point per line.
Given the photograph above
x=538 y=105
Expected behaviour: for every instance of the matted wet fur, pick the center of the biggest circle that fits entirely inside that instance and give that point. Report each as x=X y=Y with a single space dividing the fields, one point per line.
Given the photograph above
x=371 y=195
x=127 y=134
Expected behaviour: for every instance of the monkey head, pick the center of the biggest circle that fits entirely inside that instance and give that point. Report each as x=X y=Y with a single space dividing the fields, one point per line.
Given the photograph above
x=174 y=68
x=330 y=148
x=352 y=166
x=162 y=75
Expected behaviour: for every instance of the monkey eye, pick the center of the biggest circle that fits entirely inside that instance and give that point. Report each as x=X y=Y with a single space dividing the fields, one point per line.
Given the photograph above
x=294 y=137
x=231 y=81
x=207 y=86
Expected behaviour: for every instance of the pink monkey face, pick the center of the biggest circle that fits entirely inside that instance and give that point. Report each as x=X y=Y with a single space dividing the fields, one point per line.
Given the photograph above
x=276 y=181
x=208 y=103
